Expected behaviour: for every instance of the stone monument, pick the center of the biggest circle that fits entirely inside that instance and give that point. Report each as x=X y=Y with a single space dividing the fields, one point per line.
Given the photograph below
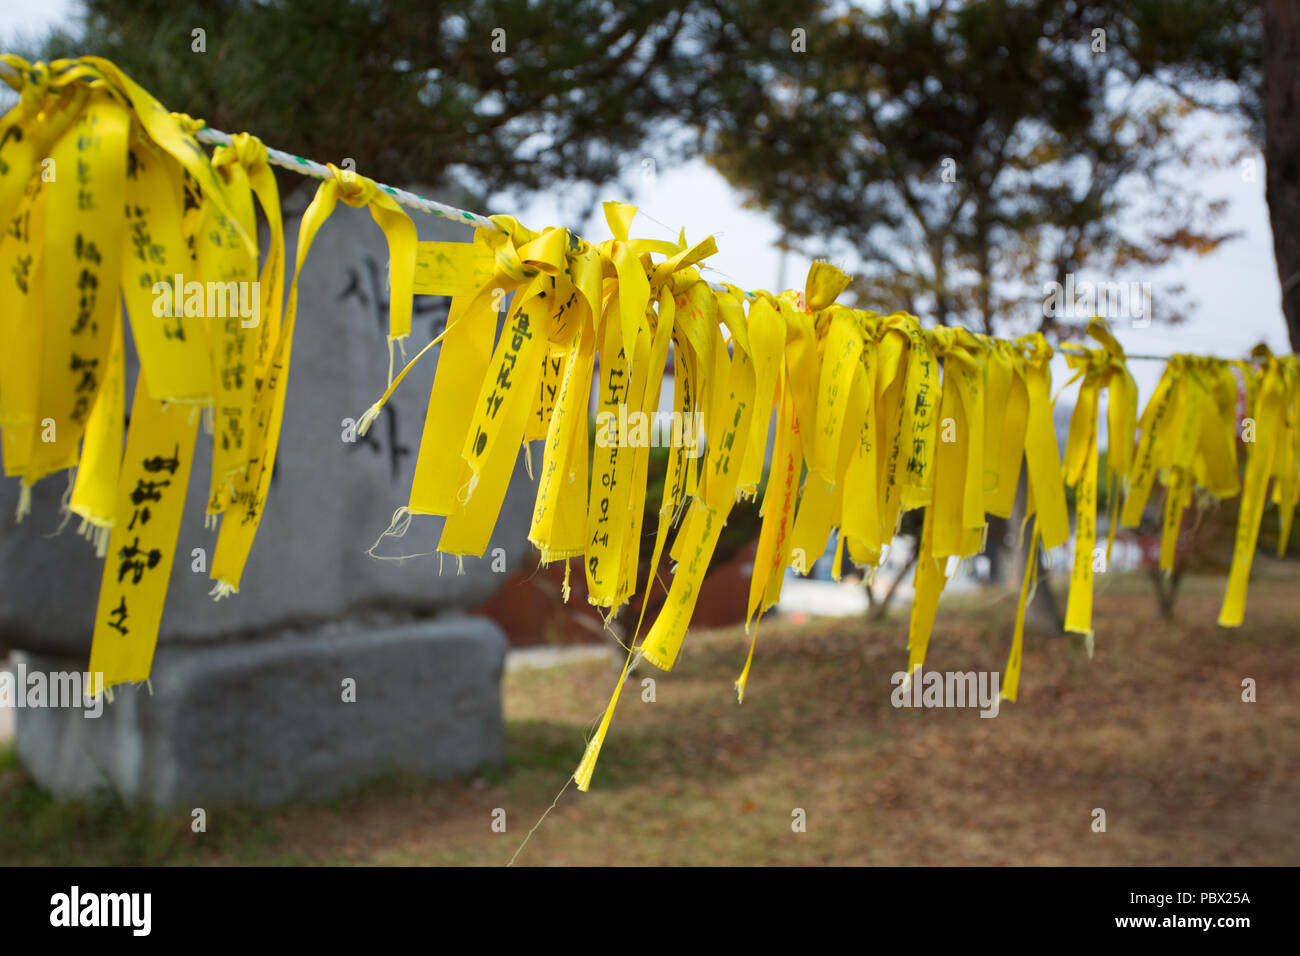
x=330 y=665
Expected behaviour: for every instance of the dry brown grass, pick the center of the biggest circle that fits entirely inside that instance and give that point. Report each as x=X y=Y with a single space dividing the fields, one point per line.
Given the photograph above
x=1153 y=730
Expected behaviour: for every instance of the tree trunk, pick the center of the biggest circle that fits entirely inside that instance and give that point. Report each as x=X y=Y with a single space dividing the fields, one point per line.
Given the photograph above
x=1166 y=587
x=1282 y=149
x=876 y=609
x=995 y=544
x=1044 y=608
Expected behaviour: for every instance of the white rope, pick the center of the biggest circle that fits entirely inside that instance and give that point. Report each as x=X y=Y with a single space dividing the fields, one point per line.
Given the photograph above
x=308 y=167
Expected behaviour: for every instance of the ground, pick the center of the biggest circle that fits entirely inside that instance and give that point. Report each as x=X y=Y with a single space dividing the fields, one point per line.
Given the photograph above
x=1153 y=730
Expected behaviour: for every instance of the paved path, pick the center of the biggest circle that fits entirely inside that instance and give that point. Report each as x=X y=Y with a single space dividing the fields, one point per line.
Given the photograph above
x=545 y=655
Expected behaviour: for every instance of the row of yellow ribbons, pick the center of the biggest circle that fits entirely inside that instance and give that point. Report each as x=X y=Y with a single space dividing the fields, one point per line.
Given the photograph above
x=103 y=193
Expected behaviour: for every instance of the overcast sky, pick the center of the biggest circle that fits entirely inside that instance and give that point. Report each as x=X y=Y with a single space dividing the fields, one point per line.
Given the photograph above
x=1235 y=290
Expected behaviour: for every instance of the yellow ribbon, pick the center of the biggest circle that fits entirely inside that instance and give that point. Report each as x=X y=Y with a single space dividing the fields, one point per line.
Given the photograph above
x=1100 y=369
x=240 y=521
x=83 y=255
x=1268 y=416
x=142 y=545
x=242 y=344
x=954 y=518
x=1187 y=438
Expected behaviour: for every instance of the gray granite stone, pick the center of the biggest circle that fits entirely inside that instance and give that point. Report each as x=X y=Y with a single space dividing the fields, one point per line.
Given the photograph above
x=262 y=722
x=330 y=499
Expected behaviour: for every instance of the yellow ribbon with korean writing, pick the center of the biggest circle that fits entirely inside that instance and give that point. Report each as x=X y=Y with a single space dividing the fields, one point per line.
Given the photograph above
x=1099 y=369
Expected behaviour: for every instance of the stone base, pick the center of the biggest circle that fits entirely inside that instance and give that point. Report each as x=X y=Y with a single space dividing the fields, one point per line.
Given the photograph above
x=265 y=722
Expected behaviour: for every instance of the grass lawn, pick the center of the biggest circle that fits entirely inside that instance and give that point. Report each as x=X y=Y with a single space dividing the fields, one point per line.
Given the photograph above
x=1153 y=730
